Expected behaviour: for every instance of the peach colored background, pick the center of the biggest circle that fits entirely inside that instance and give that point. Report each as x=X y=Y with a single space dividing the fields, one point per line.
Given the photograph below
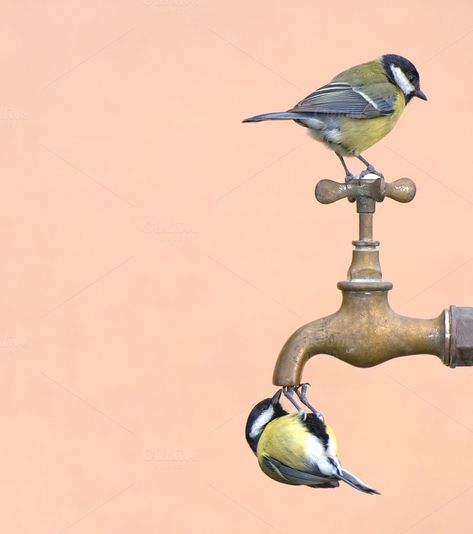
x=157 y=253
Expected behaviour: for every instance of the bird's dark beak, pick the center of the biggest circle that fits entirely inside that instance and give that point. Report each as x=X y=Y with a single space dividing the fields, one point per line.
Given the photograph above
x=276 y=397
x=420 y=94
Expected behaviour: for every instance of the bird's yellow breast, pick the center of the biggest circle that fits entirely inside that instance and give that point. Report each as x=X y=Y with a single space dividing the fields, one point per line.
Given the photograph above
x=285 y=440
x=359 y=134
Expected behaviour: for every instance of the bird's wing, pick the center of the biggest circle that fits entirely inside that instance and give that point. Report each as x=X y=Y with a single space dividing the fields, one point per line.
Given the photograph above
x=345 y=99
x=296 y=477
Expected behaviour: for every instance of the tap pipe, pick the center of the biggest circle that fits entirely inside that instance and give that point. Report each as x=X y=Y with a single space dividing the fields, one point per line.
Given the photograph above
x=366 y=227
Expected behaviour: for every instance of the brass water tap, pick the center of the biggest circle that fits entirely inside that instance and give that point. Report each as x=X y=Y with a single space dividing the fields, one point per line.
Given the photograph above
x=365 y=331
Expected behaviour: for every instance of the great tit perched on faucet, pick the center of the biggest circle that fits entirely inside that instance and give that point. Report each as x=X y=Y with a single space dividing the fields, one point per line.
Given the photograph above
x=357 y=108
x=297 y=448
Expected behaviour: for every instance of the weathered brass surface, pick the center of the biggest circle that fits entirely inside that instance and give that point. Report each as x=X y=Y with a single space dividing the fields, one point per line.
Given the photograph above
x=402 y=190
x=365 y=331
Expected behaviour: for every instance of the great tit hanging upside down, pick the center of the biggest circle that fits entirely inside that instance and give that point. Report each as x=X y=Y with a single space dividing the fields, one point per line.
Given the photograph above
x=297 y=448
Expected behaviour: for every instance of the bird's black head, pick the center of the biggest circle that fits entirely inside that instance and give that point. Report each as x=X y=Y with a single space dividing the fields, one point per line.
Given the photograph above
x=263 y=413
x=403 y=73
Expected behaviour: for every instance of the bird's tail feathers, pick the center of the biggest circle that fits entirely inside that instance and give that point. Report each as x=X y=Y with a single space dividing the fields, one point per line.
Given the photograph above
x=356 y=483
x=281 y=115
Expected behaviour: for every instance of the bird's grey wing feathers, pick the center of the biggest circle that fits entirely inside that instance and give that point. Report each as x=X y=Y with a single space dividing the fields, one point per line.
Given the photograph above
x=356 y=483
x=296 y=477
x=344 y=99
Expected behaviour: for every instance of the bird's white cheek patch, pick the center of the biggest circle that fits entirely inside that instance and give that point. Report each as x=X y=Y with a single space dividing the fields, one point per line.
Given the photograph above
x=401 y=80
x=262 y=420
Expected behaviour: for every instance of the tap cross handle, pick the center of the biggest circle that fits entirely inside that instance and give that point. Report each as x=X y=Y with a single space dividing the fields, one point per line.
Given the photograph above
x=402 y=190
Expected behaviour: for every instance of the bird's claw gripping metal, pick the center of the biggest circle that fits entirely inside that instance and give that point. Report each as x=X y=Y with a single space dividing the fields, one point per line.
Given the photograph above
x=301 y=392
x=289 y=394
x=371 y=170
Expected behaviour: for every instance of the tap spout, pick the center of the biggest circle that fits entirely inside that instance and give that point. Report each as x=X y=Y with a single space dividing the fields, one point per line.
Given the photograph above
x=364 y=332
